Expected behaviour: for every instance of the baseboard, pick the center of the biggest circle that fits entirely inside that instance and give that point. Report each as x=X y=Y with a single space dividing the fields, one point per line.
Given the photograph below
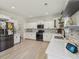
x=30 y=39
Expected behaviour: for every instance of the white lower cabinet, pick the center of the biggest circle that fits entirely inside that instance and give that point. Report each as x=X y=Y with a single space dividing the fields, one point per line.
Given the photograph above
x=29 y=35
x=47 y=36
x=32 y=35
x=17 y=38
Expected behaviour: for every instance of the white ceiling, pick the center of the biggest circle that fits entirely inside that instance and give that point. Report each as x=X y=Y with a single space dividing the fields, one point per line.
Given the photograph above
x=33 y=8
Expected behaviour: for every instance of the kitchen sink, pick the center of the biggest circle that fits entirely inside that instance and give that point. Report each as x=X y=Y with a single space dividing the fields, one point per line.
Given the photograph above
x=58 y=37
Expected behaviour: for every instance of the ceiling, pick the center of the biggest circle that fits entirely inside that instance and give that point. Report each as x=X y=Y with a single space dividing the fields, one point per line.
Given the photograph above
x=33 y=8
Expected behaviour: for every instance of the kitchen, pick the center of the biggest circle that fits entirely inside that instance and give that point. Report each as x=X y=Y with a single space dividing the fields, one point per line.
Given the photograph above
x=51 y=33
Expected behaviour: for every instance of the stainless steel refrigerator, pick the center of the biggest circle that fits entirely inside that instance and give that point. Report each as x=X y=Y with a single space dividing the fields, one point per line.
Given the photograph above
x=6 y=35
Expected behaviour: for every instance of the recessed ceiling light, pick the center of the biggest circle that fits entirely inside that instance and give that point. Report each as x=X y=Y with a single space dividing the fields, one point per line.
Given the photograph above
x=45 y=3
x=13 y=7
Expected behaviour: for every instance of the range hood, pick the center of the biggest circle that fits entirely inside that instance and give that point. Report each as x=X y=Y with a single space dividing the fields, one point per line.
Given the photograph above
x=71 y=8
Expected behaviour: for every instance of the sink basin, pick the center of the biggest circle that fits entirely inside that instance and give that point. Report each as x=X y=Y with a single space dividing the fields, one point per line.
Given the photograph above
x=58 y=37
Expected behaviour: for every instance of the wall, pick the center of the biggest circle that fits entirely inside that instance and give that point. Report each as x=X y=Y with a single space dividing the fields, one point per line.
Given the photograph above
x=75 y=17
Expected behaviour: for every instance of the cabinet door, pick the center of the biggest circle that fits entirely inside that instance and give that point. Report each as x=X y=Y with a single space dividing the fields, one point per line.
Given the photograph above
x=16 y=38
x=33 y=36
x=47 y=36
x=7 y=42
x=11 y=40
x=30 y=35
x=2 y=44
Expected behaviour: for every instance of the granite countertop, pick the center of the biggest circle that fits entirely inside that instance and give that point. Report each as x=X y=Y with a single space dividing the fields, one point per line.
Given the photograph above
x=57 y=49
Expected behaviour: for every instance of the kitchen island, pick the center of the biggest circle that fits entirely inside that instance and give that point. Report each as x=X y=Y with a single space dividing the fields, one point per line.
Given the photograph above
x=57 y=49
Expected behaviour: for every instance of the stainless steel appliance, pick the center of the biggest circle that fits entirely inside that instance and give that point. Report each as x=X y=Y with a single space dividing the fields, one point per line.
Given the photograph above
x=6 y=35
